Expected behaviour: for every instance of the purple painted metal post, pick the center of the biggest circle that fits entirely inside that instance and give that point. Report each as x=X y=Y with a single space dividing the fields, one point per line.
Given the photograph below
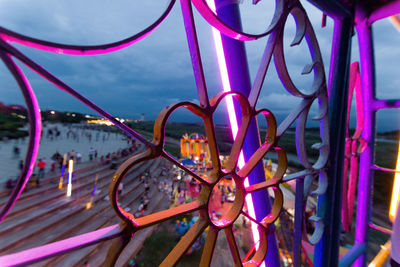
x=239 y=79
x=329 y=206
x=364 y=34
x=298 y=222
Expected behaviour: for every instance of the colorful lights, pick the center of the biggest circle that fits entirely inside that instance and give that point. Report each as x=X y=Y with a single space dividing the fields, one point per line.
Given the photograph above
x=60 y=185
x=396 y=189
x=70 y=170
x=90 y=203
x=232 y=116
x=195 y=145
x=102 y=121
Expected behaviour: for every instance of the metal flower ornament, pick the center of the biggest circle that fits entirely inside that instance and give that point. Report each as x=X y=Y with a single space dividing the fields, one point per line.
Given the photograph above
x=206 y=110
x=209 y=182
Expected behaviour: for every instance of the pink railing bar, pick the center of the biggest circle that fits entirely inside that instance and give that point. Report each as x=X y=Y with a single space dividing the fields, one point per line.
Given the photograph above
x=379 y=168
x=35 y=127
x=37 y=254
x=381 y=229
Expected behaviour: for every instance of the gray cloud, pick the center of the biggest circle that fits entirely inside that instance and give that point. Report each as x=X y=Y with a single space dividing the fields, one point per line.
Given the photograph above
x=157 y=71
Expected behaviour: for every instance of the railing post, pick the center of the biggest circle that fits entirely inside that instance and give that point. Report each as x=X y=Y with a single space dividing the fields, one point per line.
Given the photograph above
x=365 y=184
x=329 y=206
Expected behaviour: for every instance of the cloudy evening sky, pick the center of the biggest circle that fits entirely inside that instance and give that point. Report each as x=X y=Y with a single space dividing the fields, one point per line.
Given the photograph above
x=156 y=72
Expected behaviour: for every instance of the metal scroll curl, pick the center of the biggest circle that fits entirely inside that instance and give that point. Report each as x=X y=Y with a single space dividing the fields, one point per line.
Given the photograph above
x=35 y=127
x=303 y=30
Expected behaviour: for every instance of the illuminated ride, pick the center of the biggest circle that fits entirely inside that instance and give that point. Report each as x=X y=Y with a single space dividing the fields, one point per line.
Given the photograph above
x=195 y=146
x=245 y=166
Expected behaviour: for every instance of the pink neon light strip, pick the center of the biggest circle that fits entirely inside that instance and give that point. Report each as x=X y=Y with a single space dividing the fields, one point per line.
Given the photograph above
x=232 y=117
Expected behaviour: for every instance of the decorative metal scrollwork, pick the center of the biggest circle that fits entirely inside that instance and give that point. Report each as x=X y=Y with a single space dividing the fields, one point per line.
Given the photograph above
x=208 y=182
x=274 y=48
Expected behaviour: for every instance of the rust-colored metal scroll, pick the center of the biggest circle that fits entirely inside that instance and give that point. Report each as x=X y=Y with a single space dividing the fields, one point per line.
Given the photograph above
x=208 y=182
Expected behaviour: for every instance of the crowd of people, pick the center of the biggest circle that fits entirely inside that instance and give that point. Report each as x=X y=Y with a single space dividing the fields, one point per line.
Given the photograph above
x=148 y=181
x=56 y=161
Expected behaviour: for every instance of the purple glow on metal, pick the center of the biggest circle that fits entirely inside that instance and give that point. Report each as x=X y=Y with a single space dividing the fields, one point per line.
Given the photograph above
x=11 y=36
x=97 y=236
x=37 y=254
x=326 y=252
x=232 y=118
x=390 y=9
x=381 y=104
x=366 y=160
x=35 y=128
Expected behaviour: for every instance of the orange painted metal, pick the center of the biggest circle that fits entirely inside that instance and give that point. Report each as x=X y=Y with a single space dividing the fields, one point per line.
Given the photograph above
x=208 y=181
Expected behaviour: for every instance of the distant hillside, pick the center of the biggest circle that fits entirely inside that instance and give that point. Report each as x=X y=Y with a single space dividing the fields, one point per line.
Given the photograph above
x=178 y=129
x=12 y=118
x=392 y=135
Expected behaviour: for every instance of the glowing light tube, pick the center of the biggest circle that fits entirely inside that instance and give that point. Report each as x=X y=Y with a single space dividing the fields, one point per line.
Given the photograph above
x=232 y=118
x=396 y=189
x=60 y=184
x=90 y=203
x=95 y=184
x=70 y=170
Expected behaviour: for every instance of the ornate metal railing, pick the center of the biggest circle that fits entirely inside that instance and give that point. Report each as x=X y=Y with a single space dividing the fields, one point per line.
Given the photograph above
x=360 y=148
x=205 y=110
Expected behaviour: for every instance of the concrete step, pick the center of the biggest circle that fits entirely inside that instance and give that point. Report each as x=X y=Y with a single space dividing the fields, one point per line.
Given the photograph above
x=95 y=255
x=57 y=221
x=43 y=209
x=53 y=177
x=28 y=199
